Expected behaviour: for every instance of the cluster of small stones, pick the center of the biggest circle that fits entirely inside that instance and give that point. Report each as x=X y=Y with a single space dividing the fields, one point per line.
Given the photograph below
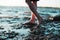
x=8 y=35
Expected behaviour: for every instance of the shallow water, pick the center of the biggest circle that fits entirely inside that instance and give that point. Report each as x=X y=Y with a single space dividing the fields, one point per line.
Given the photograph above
x=11 y=19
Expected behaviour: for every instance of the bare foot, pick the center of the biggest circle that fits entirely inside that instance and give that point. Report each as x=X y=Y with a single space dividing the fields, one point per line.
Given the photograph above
x=29 y=23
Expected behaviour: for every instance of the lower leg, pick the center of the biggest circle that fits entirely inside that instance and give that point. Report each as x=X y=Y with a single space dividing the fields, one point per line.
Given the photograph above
x=33 y=15
x=33 y=9
x=32 y=18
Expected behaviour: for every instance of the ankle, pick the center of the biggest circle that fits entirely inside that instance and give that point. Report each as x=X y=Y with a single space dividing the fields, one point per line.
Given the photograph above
x=32 y=21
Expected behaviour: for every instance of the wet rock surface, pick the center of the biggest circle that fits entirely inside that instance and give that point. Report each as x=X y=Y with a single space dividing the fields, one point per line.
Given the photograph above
x=47 y=31
x=7 y=35
x=12 y=18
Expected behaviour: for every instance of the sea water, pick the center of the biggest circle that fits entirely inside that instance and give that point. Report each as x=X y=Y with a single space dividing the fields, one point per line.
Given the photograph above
x=13 y=17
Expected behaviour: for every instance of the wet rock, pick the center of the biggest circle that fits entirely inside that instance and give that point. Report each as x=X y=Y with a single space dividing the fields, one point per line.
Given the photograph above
x=19 y=27
x=56 y=18
x=3 y=38
x=26 y=18
x=1 y=28
x=11 y=34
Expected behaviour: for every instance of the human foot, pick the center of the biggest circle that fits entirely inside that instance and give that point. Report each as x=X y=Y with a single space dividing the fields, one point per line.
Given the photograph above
x=30 y=23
